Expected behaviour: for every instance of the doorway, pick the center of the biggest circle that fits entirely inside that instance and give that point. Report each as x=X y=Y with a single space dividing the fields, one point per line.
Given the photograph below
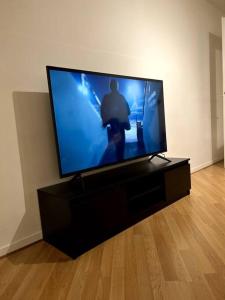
x=216 y=97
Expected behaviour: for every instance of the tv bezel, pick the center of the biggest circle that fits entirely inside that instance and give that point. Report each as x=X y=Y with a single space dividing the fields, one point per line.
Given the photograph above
x=63 y=175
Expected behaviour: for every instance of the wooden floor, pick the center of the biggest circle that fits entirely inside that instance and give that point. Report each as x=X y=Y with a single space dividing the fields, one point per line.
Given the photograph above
x=178 y=253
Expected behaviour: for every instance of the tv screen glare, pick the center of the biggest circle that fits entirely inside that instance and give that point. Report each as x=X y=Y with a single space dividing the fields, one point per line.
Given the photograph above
x=104 y=119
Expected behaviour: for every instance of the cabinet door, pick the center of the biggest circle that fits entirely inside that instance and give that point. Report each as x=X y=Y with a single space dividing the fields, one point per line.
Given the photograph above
x=99 y=214
x=84 y=226
x=110 y=208
x=177 y=183
x=145 y=193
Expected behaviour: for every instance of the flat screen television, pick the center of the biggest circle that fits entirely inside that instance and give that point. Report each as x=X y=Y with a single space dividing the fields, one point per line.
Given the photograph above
x=104 y=119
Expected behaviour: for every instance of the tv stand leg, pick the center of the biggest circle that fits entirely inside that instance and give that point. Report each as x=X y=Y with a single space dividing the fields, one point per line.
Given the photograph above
x=159 y=156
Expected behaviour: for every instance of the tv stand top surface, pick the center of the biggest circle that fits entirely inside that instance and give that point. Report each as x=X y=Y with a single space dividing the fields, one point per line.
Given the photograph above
x=114 y=176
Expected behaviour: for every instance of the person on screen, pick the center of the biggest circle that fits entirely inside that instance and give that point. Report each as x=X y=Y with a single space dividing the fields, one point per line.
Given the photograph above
x=114 y=112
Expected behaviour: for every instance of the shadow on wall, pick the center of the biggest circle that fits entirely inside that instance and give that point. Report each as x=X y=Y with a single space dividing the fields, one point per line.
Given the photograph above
x=216 y=96
x=37 y=155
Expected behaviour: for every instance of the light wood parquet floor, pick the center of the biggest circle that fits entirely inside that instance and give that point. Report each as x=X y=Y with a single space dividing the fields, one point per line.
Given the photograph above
x=177 y=253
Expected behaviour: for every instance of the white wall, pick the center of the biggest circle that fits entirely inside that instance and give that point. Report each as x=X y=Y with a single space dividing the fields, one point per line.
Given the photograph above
x=162 y=39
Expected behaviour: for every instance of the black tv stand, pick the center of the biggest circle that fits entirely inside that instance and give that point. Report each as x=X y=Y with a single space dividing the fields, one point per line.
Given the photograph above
x=75 y=219
x=159 y=156
x=77 y=182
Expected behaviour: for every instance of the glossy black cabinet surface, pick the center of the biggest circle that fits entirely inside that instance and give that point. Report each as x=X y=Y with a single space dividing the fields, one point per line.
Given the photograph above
x=75 y=220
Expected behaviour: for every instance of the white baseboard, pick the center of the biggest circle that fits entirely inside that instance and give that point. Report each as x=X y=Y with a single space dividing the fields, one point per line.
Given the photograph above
x=205 y=165
x=21 y=243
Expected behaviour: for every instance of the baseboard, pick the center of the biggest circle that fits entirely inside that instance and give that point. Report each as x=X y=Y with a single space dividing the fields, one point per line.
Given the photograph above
x=20 y=243
x=205 y=165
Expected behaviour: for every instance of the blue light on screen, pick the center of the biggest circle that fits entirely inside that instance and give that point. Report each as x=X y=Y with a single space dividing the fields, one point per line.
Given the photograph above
x=103 y=119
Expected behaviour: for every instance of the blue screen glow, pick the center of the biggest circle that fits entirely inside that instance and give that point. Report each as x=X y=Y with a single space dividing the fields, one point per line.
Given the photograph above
x=105 y=119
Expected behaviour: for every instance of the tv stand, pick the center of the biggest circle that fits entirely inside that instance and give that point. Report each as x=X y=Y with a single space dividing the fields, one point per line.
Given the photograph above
x=159 y=156
x=77 y=182
x=74 y=219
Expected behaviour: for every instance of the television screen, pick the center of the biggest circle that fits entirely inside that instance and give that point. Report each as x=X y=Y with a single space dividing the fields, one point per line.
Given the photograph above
x=104 y=119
